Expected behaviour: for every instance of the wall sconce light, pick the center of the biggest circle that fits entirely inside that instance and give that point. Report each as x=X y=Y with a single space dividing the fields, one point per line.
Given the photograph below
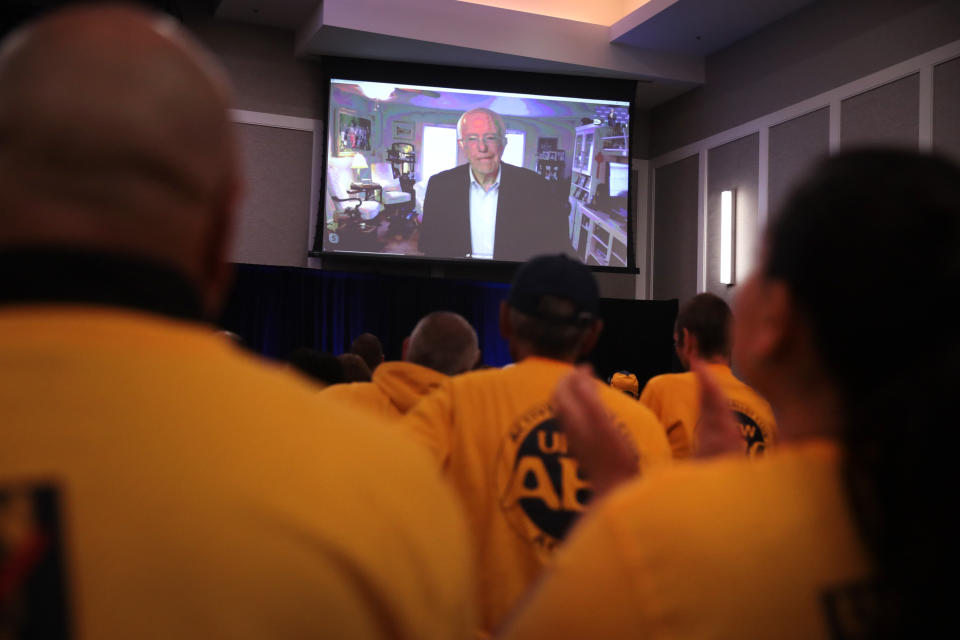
x=727 y=231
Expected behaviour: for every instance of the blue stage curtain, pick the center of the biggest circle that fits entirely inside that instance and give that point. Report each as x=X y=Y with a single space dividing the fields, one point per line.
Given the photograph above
x=277 y=309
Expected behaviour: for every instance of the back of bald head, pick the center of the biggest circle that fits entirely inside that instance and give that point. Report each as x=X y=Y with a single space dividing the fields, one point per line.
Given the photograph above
x=115 y=137
x=445 y=342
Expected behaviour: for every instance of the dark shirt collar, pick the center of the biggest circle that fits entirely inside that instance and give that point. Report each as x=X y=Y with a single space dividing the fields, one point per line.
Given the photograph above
x=69 y=276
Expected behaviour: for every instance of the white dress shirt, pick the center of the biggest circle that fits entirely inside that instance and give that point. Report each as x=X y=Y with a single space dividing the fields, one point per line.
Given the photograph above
x=483 y=216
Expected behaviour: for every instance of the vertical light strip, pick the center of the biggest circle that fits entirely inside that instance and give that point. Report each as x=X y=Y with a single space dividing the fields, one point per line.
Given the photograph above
x=726 y=237
x=833 y=136
x=702 y=222
x=926 y=108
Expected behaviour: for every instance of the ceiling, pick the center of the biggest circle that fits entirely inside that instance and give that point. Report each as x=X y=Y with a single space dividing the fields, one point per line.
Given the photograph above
x=662 y=42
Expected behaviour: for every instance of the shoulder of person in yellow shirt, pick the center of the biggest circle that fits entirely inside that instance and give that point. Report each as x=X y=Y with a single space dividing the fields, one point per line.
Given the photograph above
x=225 y=480
x=675 y=399
x=758 y=427
x=518 y=387
x=396 y=387
x=727 y=549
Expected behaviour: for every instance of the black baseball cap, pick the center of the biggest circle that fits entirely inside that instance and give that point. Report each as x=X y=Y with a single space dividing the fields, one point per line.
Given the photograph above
x=558 y=276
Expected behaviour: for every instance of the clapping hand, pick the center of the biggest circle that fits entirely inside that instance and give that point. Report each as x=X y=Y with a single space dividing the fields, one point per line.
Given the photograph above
x=603 y=451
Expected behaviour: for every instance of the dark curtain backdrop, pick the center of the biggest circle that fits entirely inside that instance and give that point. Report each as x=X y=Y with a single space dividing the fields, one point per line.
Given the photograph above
x=277 y=309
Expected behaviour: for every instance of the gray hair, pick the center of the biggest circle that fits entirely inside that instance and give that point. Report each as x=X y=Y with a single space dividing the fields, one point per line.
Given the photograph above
x=443 y=341
x=496 y=117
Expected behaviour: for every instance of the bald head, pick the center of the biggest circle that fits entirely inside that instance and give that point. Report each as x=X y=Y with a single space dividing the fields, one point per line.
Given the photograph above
x=114 y=137
x=445 y=342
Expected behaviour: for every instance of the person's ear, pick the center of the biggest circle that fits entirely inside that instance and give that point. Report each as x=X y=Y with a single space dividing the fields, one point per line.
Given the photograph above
x=506 y=329
x=774 y=326
x=691 y=346
x=404 y=348
x=777 y=320
x=590 y=337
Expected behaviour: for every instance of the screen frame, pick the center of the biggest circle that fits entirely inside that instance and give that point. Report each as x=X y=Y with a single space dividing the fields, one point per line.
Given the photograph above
x=480 y=79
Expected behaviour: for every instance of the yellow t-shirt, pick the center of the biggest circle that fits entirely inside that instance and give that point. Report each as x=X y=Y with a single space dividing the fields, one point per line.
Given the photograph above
x=395 y=388
x=495 y=437
x=675 y=399
x=200 y=493
x=727 y=549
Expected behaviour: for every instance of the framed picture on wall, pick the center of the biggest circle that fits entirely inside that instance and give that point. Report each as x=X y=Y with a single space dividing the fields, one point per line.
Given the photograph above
x=353 y=132
x=402 y=131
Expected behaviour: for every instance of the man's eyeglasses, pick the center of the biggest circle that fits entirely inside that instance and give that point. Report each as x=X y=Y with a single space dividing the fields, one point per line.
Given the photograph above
x=488 y=139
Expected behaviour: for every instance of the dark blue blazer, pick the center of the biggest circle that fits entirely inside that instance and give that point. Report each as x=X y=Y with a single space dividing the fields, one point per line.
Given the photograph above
x=531 y=219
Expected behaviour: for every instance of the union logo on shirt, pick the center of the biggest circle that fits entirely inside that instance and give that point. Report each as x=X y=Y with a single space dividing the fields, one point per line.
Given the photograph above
x=755 y=436
x=540 y=488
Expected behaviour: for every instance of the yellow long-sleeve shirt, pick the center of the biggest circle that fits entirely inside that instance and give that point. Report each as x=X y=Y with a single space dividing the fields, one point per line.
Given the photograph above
x=396 y=387
x=494 y=435
x=732 y=549
x=199 y=493
x=675 y=399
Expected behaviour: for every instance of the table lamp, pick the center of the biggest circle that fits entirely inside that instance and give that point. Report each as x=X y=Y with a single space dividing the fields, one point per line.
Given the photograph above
x=359 y=163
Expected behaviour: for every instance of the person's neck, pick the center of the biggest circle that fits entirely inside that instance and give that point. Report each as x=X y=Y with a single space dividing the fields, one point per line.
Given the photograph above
x=718 y=359
x=522 y=352
x=485 y=180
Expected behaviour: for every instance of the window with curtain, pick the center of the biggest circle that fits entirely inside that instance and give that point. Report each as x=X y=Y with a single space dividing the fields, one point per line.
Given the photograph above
x=439 y=150
x=513 y=153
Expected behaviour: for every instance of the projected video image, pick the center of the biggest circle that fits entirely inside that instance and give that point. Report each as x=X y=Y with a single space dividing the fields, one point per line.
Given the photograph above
x=442 y=173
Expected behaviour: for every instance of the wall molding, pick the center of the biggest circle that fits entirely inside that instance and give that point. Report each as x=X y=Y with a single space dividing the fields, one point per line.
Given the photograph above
x=832 y=100
x=856 y=87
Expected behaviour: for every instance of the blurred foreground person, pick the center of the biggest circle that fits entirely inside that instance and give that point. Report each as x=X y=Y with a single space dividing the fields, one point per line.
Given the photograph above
x=495 y=437
x=703 y=333
x=155 y=481
x=442 y=344
x=837 y=533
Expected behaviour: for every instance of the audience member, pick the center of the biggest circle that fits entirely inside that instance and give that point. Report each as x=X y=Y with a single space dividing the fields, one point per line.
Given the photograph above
x=323 y=368
x=702 y=332
x=841 y=532
x=494 y=434
x=626 y=382
x=354 y=368
x=170 y=485
x=368 y=347
x=442 y=344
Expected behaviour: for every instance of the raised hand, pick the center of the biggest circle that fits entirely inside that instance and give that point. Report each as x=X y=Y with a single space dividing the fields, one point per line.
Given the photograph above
x=716 y=432
x=603 y=451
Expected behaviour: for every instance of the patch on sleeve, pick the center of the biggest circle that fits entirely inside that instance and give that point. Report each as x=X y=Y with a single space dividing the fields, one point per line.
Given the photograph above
x=33 y=594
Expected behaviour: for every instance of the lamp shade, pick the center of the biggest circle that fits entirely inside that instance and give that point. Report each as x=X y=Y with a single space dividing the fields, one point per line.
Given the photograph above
x=359 y=162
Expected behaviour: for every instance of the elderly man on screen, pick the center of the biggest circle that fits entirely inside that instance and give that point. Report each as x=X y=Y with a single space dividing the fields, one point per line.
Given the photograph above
x=488 y=209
